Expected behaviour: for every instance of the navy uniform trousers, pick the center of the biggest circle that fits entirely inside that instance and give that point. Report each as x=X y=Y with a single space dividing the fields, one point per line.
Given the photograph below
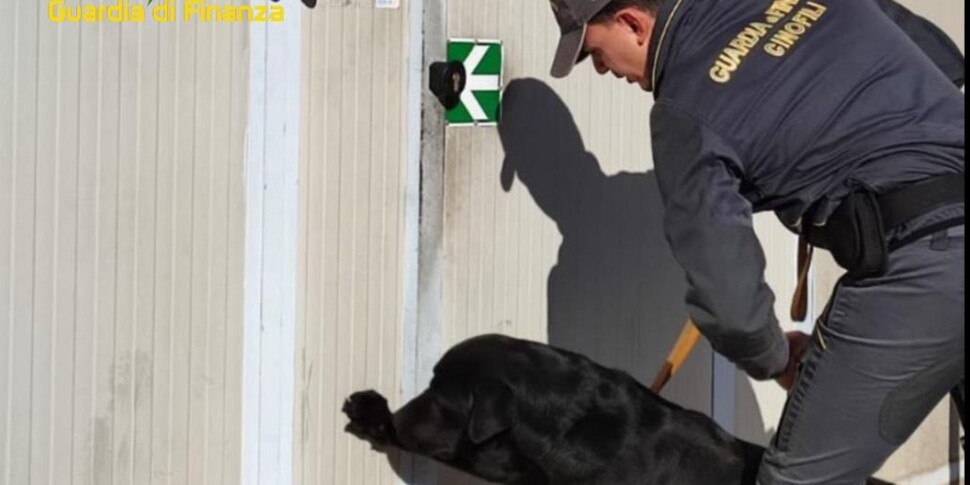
x=885 y=353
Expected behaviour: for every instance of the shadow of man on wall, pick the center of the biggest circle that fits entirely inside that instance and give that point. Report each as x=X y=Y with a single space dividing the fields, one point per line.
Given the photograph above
x=616 y=294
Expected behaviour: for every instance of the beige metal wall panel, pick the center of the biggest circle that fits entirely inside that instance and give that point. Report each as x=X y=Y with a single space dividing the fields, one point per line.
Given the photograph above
x=121 y=217
x=573 y=253
x=349 y=309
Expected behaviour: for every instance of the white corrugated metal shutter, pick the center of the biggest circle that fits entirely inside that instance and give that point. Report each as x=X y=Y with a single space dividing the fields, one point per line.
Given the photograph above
x=353 y=157
x=121 y=208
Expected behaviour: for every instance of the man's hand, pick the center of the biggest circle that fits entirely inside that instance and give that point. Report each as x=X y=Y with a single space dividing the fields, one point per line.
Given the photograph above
x=799 y=343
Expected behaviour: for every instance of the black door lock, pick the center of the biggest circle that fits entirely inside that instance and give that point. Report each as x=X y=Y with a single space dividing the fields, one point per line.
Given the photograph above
x=447 y=82
x=308 y=3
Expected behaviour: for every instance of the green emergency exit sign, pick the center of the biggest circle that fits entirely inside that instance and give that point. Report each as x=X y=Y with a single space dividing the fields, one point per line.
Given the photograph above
x=483 y=90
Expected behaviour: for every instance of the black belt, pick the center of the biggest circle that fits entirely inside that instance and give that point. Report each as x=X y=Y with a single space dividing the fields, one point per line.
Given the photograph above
x=856 y=232
x=904 y=204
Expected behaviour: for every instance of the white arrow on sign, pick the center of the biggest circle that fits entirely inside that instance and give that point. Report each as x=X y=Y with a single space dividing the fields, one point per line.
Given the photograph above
x=477 y=83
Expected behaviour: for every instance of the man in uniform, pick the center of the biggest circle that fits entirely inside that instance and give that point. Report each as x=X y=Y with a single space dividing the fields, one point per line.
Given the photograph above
x=846 y=119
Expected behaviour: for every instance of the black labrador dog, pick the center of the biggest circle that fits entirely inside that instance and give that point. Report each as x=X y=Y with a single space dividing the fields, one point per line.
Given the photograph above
x=524 y=413
x=518 y=412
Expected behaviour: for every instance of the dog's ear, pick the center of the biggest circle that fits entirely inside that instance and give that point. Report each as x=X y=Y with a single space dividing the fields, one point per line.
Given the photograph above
x=489 y=414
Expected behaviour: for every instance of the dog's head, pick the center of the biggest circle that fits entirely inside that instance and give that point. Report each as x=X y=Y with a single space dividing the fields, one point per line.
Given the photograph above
x=450 y=411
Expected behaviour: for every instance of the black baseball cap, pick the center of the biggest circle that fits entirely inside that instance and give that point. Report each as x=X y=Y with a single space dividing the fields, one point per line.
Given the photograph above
x=573 y=17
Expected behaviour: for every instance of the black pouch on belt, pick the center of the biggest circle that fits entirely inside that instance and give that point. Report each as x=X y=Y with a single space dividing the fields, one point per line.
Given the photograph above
x=855 y=235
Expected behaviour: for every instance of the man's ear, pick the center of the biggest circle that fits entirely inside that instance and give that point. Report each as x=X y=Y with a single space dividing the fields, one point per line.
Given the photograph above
x=637 y=21
x=489 y=414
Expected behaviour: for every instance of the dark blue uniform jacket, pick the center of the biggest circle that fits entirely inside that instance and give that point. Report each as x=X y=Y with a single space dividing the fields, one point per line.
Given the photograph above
x=785 y=106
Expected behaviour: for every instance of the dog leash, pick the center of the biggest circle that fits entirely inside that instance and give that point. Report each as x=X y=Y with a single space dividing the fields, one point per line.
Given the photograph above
x=678 y=355
x=799 y=301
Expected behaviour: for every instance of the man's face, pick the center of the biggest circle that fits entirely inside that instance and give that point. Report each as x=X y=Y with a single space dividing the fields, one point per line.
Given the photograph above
x=620 y=45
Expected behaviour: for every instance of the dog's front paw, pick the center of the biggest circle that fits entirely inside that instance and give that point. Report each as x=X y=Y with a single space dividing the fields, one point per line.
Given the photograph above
x=370 y=418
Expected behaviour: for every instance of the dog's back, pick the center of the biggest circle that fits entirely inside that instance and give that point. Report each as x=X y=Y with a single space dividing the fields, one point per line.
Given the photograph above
x=586 y=424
